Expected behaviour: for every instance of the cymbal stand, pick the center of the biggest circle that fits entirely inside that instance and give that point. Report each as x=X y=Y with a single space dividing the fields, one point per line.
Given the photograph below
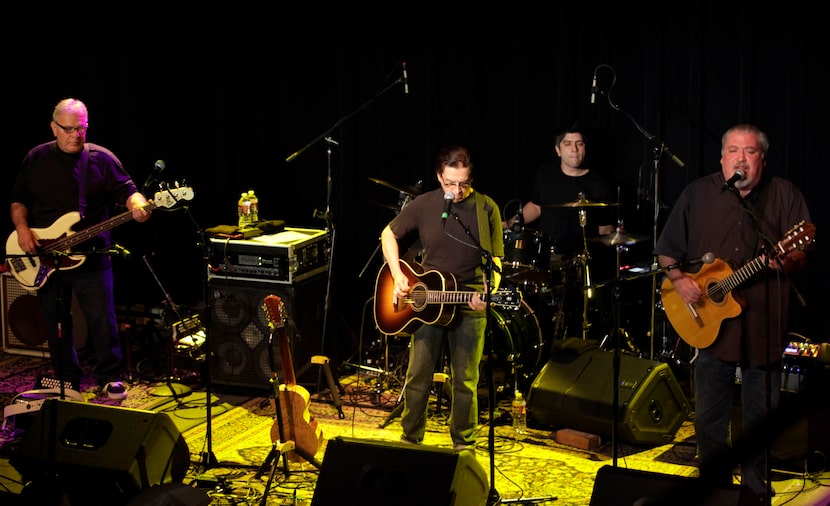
x=584 y=258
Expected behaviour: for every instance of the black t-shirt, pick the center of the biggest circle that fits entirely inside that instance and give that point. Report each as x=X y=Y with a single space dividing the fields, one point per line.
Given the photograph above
x=562 y=225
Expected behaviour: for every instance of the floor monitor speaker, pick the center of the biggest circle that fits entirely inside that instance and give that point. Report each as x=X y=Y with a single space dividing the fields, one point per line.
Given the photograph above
x=99 y=454
x=575 y=390
x=615 y=486
x=380 y=472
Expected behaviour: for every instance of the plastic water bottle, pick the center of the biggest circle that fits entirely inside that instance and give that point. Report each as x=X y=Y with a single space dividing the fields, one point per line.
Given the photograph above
x=254 y=200
x=244 y=210
x=519 y=413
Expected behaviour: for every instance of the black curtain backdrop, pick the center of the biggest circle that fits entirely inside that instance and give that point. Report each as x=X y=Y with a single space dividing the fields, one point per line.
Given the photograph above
x=226 y=93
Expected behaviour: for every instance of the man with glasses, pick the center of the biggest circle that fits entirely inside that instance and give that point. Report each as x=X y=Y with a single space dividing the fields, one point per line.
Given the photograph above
x=70 y=175
x=458 y=229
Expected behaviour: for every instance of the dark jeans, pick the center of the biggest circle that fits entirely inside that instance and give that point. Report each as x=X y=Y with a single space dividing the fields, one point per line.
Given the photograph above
x=714 y=391
x=93 y=289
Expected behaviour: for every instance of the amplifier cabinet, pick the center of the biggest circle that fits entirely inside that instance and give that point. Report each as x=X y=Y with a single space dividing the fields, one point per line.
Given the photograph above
x=242 y=347
x=287 y=257
x=23 y=330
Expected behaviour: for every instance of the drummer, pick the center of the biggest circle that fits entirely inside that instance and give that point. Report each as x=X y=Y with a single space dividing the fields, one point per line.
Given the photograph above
x=570 y=181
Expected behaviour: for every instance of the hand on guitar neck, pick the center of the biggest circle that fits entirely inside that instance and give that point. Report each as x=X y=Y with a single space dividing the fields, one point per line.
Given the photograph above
x=297 y=423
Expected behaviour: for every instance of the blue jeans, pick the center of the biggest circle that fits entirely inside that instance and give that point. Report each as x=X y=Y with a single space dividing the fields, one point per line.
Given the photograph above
x=465 y=340
x=714 y=391
x=93 y=289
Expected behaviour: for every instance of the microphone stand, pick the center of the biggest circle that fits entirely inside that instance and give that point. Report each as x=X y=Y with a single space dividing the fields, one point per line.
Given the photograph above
x=615 y=402
x=769 y=246
x=489 y=266
x=327 y=215
x=659 y=149
x=174 y=390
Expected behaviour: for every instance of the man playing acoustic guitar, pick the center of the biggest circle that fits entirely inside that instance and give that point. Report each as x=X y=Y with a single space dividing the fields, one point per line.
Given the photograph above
x=447 y=249
x=735 y=215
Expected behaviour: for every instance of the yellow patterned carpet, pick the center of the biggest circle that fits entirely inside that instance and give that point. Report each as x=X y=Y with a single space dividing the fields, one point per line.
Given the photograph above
x=227 y=455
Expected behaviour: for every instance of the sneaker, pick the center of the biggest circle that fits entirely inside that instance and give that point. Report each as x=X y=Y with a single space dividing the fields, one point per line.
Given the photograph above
x=115 y=390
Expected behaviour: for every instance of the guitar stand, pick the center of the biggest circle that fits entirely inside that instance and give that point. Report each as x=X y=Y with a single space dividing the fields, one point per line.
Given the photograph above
x=335 y=388
x=280 y=448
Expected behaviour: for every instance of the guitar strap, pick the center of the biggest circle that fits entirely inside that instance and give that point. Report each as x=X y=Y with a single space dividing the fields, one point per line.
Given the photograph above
x=483 y=223
x=83 y=162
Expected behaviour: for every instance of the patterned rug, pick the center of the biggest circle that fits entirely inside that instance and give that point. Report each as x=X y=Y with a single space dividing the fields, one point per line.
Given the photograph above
x=228 y=456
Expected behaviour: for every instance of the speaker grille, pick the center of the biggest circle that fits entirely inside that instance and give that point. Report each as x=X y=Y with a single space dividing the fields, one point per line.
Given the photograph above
x=23 y=330
x=240 y=338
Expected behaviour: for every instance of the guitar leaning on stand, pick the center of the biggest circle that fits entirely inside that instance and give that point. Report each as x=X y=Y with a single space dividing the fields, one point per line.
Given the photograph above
x=295 y=435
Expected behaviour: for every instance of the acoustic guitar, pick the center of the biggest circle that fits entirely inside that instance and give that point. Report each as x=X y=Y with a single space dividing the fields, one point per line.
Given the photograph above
x=432 y=299
x=699 y=324
x=298 y=424
x=58 y=239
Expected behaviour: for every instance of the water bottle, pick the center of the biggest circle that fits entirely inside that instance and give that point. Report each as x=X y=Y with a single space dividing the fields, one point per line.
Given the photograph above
x=244 y=210
x=519 y=416
x=254 y=200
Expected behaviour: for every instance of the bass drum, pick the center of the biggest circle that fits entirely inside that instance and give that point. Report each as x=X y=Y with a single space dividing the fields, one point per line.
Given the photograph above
x=517 y=350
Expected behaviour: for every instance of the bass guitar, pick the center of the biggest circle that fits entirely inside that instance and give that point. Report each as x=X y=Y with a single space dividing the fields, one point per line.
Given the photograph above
x=297 y=422
x=699 y=324
x=432 y=299
x=57 y=241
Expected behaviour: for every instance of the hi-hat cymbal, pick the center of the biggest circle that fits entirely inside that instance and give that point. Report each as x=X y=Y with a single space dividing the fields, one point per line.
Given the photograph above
x=582 y=203
x=618 y=238
x=411 y=190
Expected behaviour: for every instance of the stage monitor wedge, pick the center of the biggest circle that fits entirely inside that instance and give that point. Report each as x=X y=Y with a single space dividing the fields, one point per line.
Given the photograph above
x=383 y=473
x=575 y=390
x=99 y=453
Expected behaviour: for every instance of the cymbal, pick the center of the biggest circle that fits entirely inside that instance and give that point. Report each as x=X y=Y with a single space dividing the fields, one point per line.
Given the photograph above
x=582 y=203
x=385 y=206
x=618 y=238
x=411 y=190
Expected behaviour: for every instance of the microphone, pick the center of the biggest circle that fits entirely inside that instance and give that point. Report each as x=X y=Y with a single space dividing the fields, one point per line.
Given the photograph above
x=739 y=175
x=519 y=221
x=159 y=166
x=448 y=198
x=405 y=80
x=594 y=88
x=707 y=258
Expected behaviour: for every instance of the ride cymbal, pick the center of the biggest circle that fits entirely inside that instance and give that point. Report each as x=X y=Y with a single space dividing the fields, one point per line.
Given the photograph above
x=582 y=203
x=411 y=190
x=618 y=238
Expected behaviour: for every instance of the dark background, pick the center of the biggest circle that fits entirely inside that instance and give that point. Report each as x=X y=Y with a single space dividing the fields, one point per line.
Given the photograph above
x=225 y=94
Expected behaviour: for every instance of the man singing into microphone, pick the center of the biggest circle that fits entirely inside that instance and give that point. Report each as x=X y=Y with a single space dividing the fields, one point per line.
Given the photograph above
x=737 y=227
x=447 y=248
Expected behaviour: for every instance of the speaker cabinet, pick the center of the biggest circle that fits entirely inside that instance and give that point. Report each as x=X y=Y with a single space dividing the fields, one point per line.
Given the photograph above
x=100 y=454
x=616 y=486
x=575 y=390
x=240 y=339
x=23 y=330
x=379 y=472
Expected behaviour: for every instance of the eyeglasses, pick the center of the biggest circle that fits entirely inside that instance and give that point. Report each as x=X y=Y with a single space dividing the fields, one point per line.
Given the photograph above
x=462 y=185
x=71 y=130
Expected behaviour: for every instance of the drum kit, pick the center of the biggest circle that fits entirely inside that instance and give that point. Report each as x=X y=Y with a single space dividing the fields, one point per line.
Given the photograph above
x=548 y=281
